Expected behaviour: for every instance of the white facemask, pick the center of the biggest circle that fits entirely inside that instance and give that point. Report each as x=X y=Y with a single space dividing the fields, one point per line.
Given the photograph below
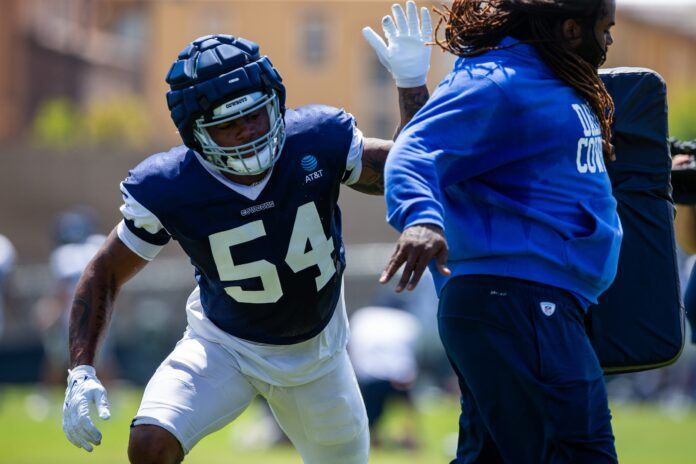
x=250 y=158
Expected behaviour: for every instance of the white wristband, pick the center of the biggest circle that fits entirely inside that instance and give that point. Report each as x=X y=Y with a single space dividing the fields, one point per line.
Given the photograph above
x=82 y=369
x=410 y=82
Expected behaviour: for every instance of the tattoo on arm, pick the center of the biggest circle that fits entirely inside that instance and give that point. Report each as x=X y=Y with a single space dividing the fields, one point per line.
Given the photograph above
x=89 y=318
x=374 y=156
x=94 y=298
x=375 y=151
x=410 y=101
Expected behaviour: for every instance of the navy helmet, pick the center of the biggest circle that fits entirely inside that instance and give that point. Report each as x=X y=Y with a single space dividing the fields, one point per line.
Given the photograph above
x=219 y=78
x=75 y=225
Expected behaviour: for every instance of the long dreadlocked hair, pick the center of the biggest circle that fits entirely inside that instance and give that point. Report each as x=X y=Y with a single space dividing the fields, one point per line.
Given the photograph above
x=473 y=27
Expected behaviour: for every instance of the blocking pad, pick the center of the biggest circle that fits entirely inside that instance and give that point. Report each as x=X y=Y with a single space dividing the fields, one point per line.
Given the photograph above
x=639 y=321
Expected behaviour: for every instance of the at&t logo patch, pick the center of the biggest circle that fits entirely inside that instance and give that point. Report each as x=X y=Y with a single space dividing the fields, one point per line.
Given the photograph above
x=547 y=308
x=309 y=163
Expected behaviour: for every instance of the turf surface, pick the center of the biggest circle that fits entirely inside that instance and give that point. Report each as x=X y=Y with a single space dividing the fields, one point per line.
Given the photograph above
x=30 y=433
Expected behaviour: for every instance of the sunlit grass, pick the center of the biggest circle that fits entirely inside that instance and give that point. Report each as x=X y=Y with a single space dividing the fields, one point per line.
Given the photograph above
x=31 y=433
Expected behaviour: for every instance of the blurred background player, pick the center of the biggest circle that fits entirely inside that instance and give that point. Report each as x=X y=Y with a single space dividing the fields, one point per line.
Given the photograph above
x=685 y=227
x=7 y=261
x=383 y=352
x=678 y=384
x=77 y=241
x=252 y=199
x=524 y=201
x=398 y=357
x=434 y=371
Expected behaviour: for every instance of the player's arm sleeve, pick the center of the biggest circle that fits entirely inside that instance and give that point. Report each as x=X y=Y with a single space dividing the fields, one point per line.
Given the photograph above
x=140 y=230
x=457 y=135
x=354 y=157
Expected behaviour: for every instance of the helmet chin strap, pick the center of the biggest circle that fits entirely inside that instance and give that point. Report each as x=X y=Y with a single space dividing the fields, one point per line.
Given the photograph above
x=590 y=50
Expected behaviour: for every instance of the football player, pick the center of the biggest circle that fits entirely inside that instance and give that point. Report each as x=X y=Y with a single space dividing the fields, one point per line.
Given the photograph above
x=251 y=197
x=7 y=261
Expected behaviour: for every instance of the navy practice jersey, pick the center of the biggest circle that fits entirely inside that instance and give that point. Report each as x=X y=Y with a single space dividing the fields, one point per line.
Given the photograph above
x=269 y=269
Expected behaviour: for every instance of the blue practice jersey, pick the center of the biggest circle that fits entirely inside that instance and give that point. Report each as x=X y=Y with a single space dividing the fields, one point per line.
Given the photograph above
x=269 y=269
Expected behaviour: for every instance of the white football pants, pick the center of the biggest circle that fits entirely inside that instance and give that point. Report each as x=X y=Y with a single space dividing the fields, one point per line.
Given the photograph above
x=199 y=389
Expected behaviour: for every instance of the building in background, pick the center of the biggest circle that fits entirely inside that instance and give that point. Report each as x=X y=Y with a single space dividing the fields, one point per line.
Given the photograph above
x=90 y=50
x=316 y=45
x=12 y=50
x=658 y=36
x=87 y=50
x=80 y=50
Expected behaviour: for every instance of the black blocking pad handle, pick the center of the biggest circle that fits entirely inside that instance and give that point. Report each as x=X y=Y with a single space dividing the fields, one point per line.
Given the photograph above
x=639 y=321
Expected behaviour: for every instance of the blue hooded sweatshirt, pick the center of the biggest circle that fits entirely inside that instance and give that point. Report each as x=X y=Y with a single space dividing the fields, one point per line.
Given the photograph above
x=507 y=159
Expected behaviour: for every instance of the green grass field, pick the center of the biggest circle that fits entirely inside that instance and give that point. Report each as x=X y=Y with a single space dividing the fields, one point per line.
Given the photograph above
x=644 y=434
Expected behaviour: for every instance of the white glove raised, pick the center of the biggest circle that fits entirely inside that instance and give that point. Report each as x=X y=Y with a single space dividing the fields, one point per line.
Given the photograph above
x=83 y=389
x=407 y=57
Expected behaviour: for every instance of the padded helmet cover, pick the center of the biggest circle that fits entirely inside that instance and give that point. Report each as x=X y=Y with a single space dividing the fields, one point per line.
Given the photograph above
x=212 y=70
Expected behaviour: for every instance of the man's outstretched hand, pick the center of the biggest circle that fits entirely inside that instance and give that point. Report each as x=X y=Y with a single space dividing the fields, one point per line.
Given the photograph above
x=405 y=54
x=416 y=247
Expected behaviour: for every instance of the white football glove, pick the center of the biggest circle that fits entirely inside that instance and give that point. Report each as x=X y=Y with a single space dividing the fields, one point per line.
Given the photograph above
x=406 y=56
x=83 y=389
